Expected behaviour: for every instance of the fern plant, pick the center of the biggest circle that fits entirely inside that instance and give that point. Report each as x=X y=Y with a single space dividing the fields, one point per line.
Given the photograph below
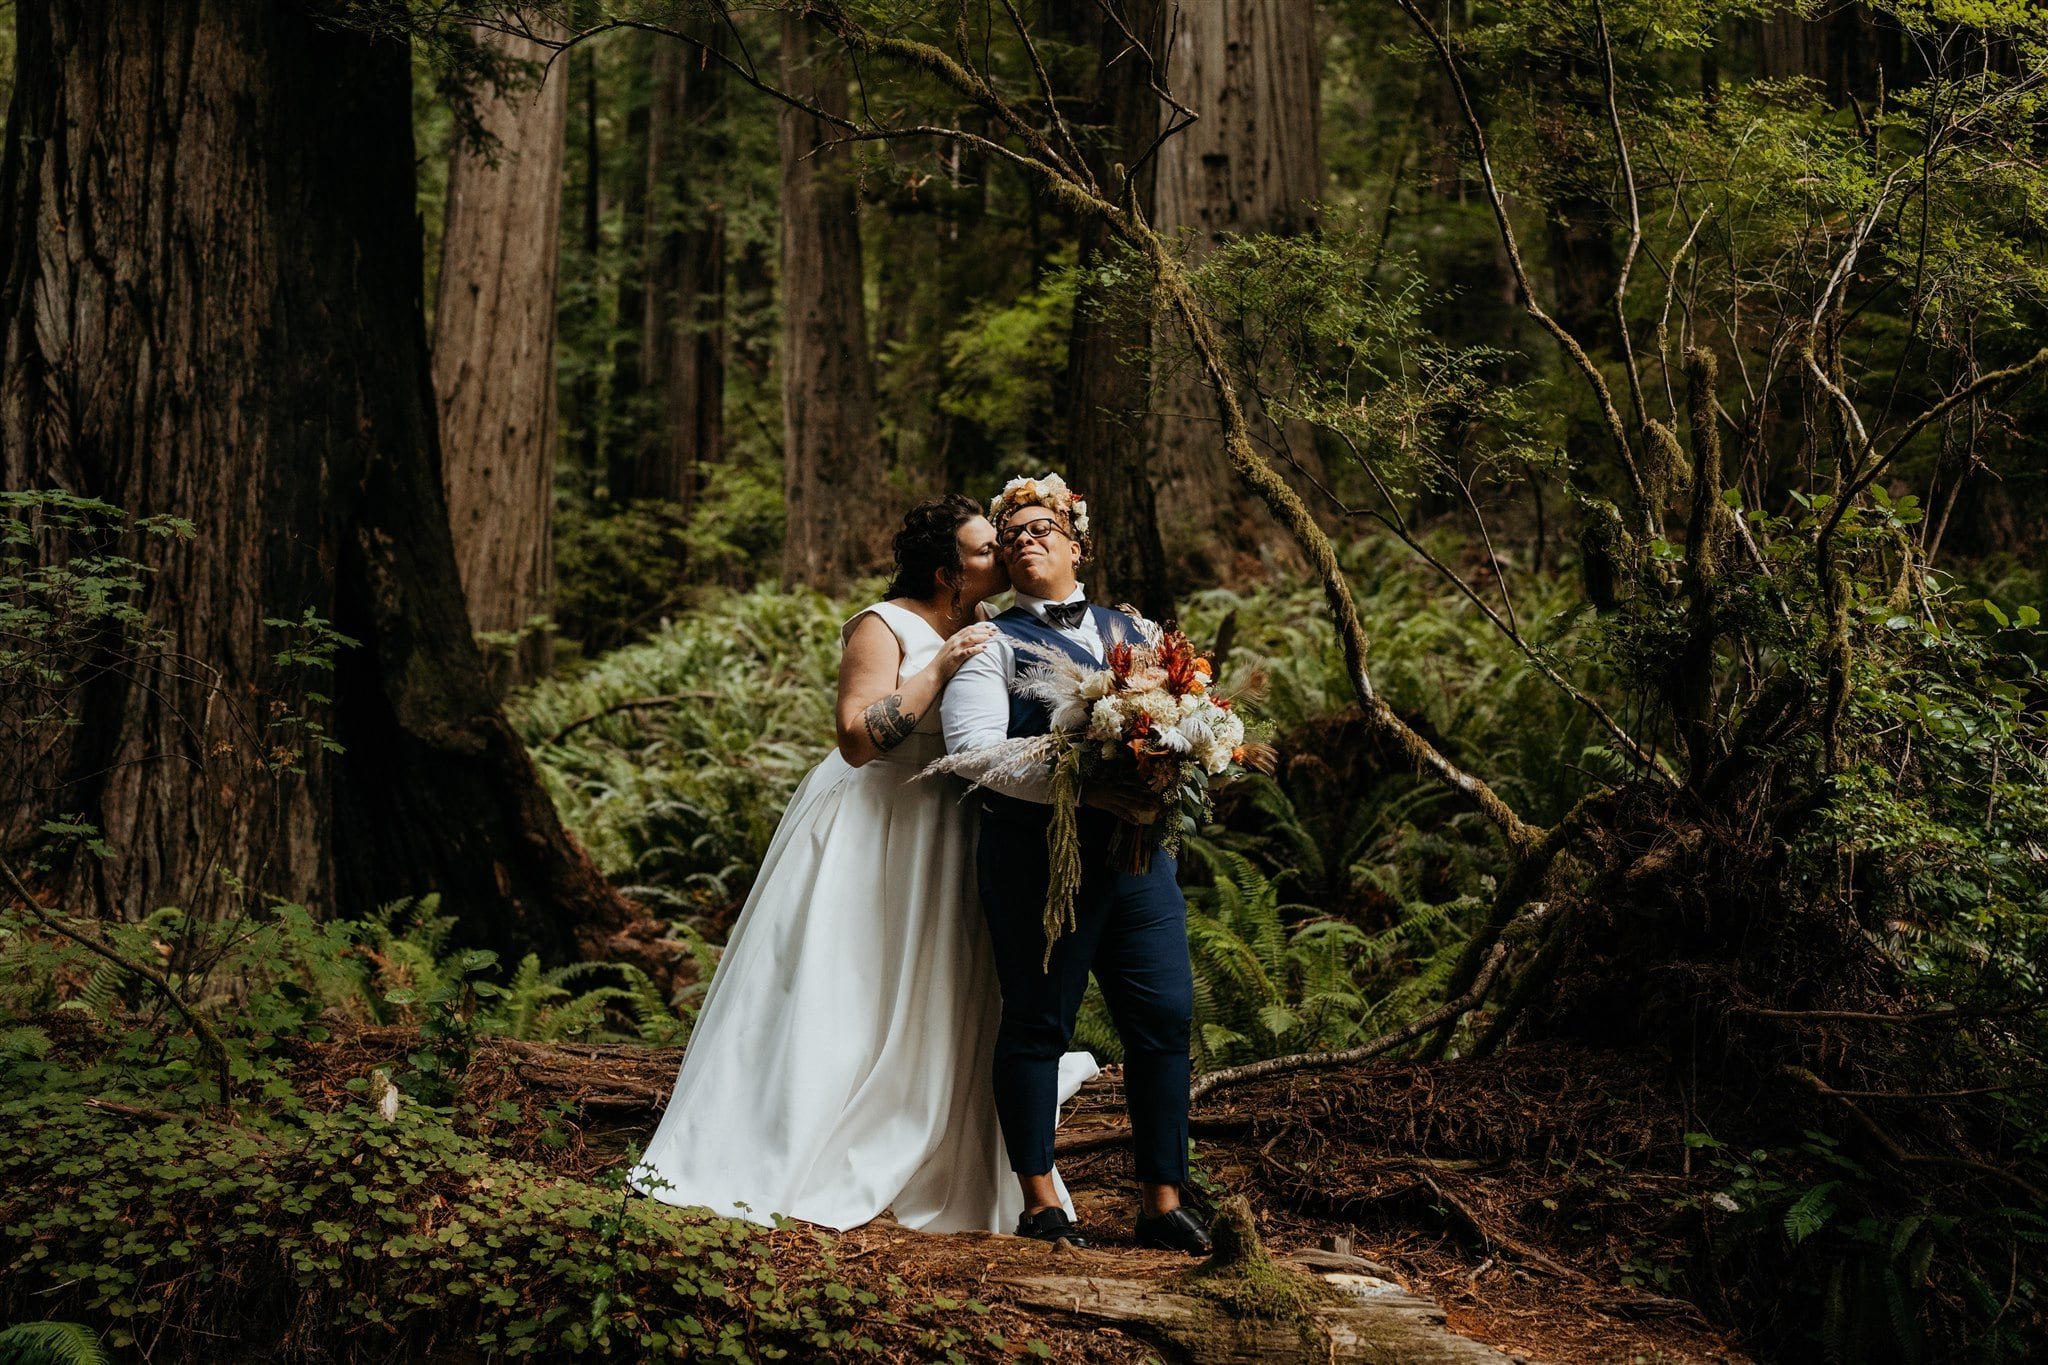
x=1265 y=986
x=50 y=1343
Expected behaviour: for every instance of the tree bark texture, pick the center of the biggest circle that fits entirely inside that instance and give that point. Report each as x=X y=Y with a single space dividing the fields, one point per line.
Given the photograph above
x=831 y=438
x=683 y=353
x=630 y=408
x=1249 y=164
x=211 y=309
x=494 y=357
x=1109 y=350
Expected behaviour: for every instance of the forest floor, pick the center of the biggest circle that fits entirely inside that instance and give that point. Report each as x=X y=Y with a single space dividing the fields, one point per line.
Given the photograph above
x=1464 y=1180
x=1538 y=1198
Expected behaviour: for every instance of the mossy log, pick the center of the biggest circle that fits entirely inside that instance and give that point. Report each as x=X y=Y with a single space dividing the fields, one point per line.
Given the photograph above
x=1243 y=1305
x=1369 y=1320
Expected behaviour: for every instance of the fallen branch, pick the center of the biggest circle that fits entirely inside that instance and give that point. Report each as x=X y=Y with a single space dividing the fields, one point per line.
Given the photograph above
x=1890 y=1145
x=1869 y=1017
x=636 y=704
x=1443 y=1014
x=201 y=1028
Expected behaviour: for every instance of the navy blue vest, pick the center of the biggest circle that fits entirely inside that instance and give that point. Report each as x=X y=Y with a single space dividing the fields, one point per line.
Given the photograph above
x=1029 y=716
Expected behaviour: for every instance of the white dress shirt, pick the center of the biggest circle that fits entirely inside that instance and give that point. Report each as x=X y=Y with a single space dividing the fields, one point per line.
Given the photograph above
x=976 y=705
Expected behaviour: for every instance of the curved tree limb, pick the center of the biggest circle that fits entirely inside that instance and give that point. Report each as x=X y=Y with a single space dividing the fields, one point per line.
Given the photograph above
x=1616 y=429
x=202 y=1027
x=1447 y=1013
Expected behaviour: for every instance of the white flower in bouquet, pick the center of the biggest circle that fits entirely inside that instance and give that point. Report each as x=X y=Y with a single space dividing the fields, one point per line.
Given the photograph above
x=1106 y=721
x=1160 y=705
x=1194 y=731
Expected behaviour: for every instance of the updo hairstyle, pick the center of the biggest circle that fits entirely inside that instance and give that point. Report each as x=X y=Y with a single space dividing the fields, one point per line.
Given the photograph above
x=929 y=543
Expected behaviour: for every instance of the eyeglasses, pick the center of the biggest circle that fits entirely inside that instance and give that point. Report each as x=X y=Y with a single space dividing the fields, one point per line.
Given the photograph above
x=1037 y=530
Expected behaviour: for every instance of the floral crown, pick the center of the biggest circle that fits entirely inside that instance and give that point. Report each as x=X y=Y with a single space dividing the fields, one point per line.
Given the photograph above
x=1049 y=491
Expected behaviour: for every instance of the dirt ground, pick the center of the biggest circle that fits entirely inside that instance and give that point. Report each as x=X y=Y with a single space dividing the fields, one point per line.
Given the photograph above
x=1537 y=1197
x=1450 y=1177
x=1446 y=1223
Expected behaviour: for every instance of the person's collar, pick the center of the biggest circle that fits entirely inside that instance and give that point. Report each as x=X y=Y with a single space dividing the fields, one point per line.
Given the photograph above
x=1037 y=605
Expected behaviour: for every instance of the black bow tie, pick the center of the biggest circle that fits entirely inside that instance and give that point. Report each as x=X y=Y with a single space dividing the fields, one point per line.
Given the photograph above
x=1066 y=615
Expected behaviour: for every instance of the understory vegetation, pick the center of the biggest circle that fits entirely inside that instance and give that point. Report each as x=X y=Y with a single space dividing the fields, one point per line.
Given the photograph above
x=1621 y=491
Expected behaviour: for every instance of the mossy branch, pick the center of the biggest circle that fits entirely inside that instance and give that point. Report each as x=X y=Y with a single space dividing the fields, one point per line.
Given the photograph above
x=1692 y=682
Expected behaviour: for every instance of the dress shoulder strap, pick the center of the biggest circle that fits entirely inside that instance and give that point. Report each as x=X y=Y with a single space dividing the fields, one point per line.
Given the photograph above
x=899 y=620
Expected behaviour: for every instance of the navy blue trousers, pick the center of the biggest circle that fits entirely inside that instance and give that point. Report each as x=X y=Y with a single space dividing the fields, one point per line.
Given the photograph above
x=1132 y=932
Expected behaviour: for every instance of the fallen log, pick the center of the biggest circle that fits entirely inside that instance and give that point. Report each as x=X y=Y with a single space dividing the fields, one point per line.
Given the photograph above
x=1244 y=1307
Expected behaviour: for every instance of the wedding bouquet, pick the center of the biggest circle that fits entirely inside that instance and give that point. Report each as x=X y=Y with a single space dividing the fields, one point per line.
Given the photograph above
x=1149 y=716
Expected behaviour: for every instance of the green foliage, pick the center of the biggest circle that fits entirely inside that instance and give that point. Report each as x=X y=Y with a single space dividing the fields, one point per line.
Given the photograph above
x=1006 y=362
x=51 y=1343
x=678 y=800
x=69 y=586
x=1264 y=987
x=616 y=571
x=621 y=571
x=735 y=533
x=416 y=1223
x=408 y=1231
x=1870 y=1263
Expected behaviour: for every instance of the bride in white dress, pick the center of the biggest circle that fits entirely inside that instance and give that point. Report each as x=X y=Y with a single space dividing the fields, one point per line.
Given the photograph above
x=840 y=1064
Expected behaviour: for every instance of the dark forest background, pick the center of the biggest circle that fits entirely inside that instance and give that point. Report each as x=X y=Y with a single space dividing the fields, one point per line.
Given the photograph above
x=440 y=444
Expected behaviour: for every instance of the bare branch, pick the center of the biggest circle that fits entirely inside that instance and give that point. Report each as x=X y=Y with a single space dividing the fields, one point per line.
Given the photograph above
x=201 y=1027
x=1616 y=429
x=1445 y=1013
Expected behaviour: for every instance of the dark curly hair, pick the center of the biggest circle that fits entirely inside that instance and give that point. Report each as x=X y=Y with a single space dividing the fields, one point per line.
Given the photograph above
x=929 y=543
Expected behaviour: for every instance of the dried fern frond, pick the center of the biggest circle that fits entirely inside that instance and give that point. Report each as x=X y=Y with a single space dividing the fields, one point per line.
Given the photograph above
x=1013 y=760
x=1054 y=680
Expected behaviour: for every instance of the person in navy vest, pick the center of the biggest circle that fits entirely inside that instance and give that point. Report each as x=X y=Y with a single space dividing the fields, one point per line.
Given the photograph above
x=1130 y=928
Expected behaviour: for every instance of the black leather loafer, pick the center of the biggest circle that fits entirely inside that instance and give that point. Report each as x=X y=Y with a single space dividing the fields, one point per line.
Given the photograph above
x=1176 y=1231
x=1051 y=1225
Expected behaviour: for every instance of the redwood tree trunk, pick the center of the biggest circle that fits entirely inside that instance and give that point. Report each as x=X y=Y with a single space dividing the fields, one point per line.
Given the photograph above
x=211 y=309
x=1108 y=354
x=494 y=358
x=1249 y=164
x=684 y=323
x=831 y=440
x=628 y=405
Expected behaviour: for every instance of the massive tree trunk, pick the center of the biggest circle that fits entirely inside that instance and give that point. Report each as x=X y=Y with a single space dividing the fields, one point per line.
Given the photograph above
x=211 y=309
x=1251 y=70
x=1109 y=351
x=586 y=417
x=494 y=358
x=628 y=406
x=831 y=442
x=683 y=354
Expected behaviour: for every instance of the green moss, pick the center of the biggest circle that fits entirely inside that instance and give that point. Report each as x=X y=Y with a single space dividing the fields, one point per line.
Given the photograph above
x=1246 y=1281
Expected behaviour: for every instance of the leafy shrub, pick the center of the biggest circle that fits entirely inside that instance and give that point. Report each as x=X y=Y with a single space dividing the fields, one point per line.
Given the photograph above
x=407 y=1231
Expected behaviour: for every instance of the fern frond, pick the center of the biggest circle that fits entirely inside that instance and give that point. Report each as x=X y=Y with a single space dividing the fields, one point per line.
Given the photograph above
x=51 y=1343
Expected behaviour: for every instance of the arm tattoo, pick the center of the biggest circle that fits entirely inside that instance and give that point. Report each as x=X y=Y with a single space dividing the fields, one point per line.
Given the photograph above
x=888 y=723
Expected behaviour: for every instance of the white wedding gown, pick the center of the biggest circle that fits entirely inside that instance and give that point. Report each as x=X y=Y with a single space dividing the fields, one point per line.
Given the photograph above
x=840 y=1064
